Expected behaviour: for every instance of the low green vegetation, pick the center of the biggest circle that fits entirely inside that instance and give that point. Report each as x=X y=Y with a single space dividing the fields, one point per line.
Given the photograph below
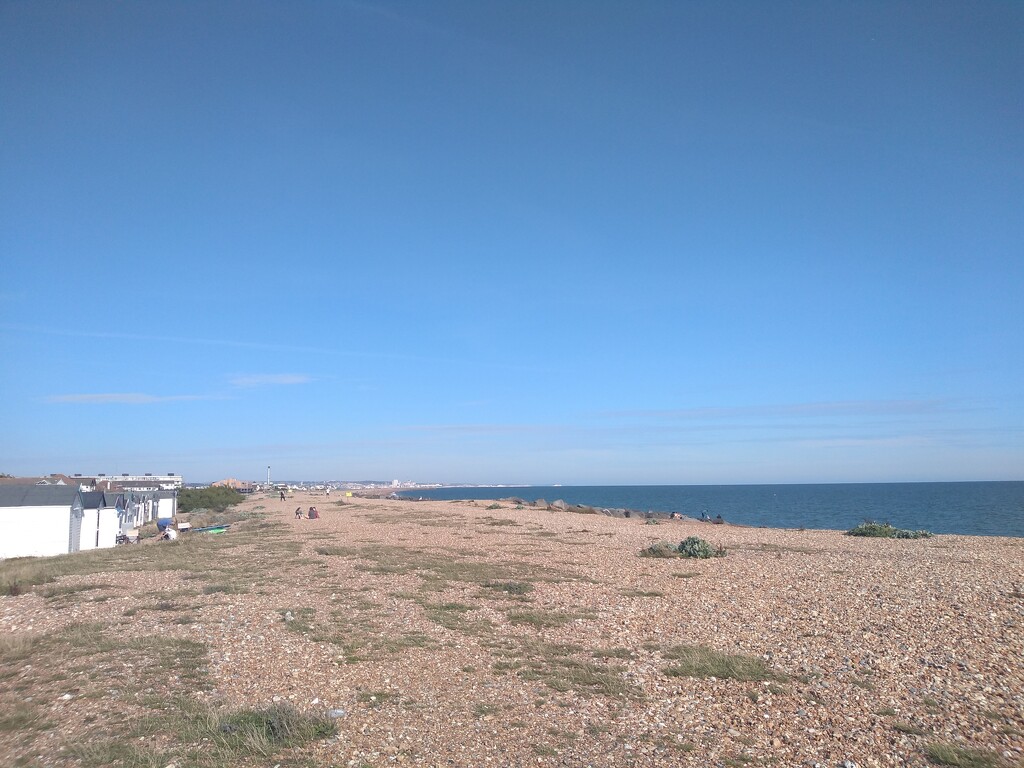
x=633 y=592
x=263 y=731
x=517 y=588
x=210 y=739
x=885 y=531
x=560 y=667
x=439 y=568
x=298 y=619
x=376 y=699
x=660 y=549
x=148 y=685
x=909 y=728
x=216 y=498
x=540 y=619
x=961 y=757
x=453 y=616
x=693 y=547
x=700 y=661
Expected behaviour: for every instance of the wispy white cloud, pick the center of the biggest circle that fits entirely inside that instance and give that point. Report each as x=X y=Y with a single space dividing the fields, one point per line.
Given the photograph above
x=124 y=398
x=260 y=346
x=270 y=379
x=857 y=408
x=231 y=343
x=481 y=429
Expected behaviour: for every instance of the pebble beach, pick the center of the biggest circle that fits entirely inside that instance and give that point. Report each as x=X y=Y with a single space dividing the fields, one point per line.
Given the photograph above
x=441 y=633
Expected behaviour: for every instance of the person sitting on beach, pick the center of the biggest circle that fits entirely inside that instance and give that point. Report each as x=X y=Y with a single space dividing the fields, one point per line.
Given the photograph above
x=718 y=518
x=313 y=514
x=298 y=513
x=704 y=515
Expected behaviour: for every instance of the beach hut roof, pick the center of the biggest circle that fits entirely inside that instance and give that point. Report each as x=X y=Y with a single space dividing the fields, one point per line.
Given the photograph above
x=37 y=495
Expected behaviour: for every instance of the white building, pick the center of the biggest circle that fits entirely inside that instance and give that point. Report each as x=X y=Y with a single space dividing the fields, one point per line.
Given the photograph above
x=147 y=482
x=40 y=520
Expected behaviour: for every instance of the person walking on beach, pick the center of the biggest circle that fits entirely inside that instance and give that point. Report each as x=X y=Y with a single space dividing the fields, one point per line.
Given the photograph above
x=282 y=495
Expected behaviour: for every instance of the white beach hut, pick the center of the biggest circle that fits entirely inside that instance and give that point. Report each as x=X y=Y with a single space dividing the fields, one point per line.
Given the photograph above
x=91 y=502
x=102 y=519
x=167 y=505
x=40 y=520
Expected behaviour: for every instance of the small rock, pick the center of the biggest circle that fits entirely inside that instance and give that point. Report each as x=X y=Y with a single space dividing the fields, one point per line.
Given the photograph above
x=335 y=714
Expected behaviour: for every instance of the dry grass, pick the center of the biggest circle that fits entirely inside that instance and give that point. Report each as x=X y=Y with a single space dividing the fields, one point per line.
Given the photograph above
x=701 y=661
x=961 y=757
x=561 y=667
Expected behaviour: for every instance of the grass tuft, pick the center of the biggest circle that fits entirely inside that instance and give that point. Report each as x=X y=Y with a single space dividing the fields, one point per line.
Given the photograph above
x=540 y=619
x=700 y=661
x=909 y=729
x=961 y=757
x=510 y=587
x=376 y=699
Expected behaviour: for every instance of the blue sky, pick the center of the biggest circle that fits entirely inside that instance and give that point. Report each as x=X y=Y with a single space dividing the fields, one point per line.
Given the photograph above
x=568 y=242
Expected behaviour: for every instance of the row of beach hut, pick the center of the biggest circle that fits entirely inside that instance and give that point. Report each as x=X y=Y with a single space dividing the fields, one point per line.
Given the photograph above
x=43 y=520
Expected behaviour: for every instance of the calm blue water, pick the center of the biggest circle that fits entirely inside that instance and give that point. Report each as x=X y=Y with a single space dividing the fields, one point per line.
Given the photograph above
x=977 y=509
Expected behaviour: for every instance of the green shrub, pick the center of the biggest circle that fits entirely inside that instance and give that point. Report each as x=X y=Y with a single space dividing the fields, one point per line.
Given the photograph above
x=694 y=546
x=885 y=531
x=660 y=549
x=216 y=498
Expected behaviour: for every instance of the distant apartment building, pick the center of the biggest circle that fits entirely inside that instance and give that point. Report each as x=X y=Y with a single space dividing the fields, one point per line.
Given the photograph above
x=146 y=482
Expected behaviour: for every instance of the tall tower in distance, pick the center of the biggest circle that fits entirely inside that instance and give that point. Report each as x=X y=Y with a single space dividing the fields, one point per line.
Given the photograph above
x=268 y=475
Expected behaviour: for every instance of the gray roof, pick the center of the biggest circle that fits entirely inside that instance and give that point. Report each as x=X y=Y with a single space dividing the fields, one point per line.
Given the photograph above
x=99 y=499
x=92 y=499
x=37 y=495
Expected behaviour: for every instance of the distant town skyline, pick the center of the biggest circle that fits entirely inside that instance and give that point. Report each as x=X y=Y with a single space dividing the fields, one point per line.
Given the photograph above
x=498 y=242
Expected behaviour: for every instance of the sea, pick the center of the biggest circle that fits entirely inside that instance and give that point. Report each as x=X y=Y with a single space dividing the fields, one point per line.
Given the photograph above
x=970 y=508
